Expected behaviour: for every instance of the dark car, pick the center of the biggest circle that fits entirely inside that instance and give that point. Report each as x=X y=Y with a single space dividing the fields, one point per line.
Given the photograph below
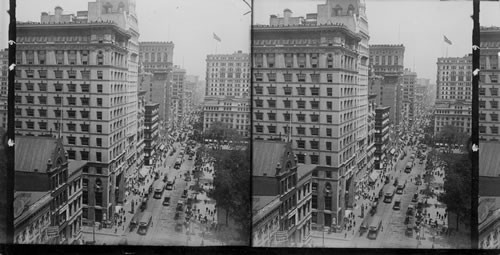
x=177 y=215
x=133 y=223
x=184 y=193
x=396 y=182
x=407 y=219
x=415 y=198
x=166 y=201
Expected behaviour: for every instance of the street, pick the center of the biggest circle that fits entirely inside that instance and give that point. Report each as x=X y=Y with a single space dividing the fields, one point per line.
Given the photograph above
x=393 y=230
x=162 y=229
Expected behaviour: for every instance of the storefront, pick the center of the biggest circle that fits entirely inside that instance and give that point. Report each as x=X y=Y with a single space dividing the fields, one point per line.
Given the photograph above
x=374 y=177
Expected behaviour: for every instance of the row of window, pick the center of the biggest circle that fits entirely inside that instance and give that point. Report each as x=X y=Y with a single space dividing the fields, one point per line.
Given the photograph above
x=303 y=60
x=71 y=114
x=230 y=63
x=493 y=91
x=59 y=74
x=69 y=126
x=42 y=100
x=302 y=77
x=493 y=104
x=301 y=104
x=493 y=129
x=301 y=91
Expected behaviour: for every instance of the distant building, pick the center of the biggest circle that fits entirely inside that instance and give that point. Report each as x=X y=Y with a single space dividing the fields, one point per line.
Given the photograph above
x=228 y=75
x=151 y=134
x=388 y=62
x=157 y=61
x=178 y=83
x=489 y=84
x=227 y=92
x=453 y=105
x=382 y=115
x=141 y=128
x=234 y=112
x=408 y=96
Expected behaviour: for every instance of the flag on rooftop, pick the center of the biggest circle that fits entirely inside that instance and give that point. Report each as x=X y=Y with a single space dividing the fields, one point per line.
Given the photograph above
x=216 y=37
x=446 y=40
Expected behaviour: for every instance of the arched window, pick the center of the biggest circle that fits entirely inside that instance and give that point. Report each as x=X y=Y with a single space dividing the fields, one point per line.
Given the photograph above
x=121 y=7
x=328 y=187
x=98 y=182
x=107 y=7
x=337 y=11
x=350 y=10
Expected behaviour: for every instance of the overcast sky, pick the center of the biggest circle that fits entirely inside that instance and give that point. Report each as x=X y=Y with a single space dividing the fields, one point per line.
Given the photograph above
x=190 y=24
x=419 y=25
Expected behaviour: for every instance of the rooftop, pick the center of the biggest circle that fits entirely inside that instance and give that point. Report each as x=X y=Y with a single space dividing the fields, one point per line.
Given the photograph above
x=74 y=165
x=266 y=155
x=26 y=203
x=386 y=46
x=33 y=152
x=262 y=205
x=304 y=169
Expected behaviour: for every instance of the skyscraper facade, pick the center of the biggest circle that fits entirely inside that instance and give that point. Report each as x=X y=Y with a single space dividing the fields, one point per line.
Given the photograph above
x=489 y=84
x=311 y=88
x=388 y=61
x=76 y=78
x=453 y=105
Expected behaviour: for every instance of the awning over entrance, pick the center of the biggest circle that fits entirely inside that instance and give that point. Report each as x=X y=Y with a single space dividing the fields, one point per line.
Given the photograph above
x=374 y=175
x=143 y=172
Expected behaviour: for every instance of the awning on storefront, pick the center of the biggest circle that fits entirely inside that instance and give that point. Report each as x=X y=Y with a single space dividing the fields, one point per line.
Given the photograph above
x=143 y=172
x=374 y=175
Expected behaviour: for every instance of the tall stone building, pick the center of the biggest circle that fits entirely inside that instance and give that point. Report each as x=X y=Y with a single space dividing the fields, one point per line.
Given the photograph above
x=178 y=83
x=76 y=79
x=228 y=75
x=453 y=94
x=311 y=88
x=4 y=72
x=234 y=112
x=157 y=59
x=388 y=62
x=408 y=97
x=227 y=91
x=489 y=84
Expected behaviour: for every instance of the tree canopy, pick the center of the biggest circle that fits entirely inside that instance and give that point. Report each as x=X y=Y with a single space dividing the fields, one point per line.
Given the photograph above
x=232 y=186
x=452 y=135
x=457 y=185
